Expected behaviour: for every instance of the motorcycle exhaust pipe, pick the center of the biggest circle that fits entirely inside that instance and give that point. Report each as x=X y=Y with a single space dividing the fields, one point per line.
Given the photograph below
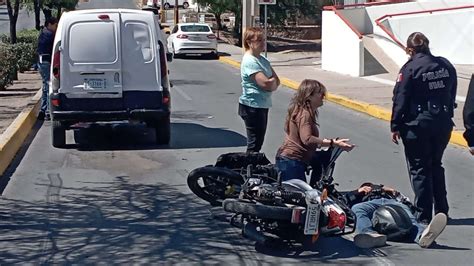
x=250 y=230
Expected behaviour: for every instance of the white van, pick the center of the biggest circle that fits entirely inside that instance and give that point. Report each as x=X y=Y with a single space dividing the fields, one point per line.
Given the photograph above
x=109 y=65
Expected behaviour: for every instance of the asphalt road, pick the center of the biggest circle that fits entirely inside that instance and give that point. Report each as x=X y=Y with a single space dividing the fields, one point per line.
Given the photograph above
x=112 y=196
x=26 y=20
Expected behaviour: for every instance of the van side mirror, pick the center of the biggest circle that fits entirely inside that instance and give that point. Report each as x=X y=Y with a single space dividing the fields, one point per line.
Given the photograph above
x=169 y=57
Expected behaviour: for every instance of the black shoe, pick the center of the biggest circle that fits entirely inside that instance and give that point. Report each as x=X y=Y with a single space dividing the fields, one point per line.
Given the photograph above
x=41 y=115
x=47 y=117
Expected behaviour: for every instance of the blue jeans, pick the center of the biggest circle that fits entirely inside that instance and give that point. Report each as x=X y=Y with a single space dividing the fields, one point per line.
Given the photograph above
x=45 y=69
x=290 y=169
x=365 y=210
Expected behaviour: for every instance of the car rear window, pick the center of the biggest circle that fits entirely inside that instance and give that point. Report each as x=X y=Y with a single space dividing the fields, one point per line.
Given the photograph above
x=91 y=42
x=195 y=28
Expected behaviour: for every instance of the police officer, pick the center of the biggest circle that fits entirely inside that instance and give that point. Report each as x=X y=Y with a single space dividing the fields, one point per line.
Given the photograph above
x=423 y=103
x=468 y=116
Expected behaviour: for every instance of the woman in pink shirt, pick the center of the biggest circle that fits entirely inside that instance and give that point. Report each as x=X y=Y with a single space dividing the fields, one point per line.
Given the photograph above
x=302 y=134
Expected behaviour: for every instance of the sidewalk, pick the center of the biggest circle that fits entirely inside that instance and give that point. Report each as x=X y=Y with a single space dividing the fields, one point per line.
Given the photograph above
x=371 y=95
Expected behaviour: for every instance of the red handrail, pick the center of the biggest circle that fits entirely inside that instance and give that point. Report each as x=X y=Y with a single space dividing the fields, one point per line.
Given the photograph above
x=333 y=8
x=366 y=4
x=389 y=33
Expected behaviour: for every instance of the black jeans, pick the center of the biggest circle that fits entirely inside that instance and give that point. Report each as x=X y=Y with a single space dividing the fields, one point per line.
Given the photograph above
x=424 y=147
x=256 y=120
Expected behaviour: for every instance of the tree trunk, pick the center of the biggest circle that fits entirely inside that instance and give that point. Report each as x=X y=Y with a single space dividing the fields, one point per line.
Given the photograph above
x=13 y=17
x=59 y=12
x=47 y=13
x=37 y=8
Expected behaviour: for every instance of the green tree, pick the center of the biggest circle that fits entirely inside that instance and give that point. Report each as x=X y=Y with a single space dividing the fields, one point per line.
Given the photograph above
x=217 y=7
x=13 y=17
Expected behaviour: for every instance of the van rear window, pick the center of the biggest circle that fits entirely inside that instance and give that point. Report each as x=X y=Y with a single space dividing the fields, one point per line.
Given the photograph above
x=195 y=28
x=91 y=42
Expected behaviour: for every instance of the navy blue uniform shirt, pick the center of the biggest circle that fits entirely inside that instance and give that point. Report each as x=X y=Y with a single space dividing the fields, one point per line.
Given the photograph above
x=423 y=79
x=45 y=42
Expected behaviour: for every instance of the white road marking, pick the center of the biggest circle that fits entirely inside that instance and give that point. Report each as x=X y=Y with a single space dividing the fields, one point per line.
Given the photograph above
x=392 y=83
x=182 y=93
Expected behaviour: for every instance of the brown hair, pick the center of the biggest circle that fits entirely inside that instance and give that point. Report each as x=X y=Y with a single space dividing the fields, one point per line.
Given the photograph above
x=250 y=34
x=418 y=43
x=300 y=100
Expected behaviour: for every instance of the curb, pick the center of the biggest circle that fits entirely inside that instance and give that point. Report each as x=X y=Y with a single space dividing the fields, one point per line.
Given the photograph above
x=13 y=137
x=370 y=109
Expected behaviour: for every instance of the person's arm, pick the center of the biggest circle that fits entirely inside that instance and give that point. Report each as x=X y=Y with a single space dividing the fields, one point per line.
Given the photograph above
x=274 y=75
x=356 y=196
x=268 y=84
x=468 y=116
x=401 y=101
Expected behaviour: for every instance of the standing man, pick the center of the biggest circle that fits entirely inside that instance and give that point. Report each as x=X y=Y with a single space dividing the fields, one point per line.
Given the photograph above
x=423 y=107
x=45 y=48
x=468 y=116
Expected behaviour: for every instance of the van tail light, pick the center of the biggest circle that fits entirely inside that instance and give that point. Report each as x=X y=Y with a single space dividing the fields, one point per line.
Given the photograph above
x=104 y=17
x=336 y=219
x=56 y=64
x=182 y=36
x=163 y=66
x=211 y=36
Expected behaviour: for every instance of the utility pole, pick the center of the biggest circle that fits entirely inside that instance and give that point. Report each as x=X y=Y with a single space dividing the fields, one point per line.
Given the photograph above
x=176 y=12
x=162 y=12
x=246 y=18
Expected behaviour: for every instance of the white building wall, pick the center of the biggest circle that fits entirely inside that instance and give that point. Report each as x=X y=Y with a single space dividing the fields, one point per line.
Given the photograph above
x=341 y=48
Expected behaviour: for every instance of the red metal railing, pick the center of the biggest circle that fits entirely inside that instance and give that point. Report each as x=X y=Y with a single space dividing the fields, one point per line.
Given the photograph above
x=389 y=33
x=334 y=8
x=347 y=22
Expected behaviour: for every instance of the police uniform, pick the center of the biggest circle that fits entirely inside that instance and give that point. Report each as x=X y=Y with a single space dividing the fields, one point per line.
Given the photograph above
x=423 y=103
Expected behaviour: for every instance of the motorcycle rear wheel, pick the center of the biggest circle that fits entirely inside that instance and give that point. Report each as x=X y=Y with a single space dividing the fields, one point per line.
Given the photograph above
x=214 y=184
x=258 y=210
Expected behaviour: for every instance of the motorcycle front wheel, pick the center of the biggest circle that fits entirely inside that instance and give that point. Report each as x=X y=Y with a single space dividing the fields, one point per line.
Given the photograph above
x=258 y=210
x=214 y=184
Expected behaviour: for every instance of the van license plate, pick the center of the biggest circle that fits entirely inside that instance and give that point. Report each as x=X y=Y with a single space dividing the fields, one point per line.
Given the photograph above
x=311 y=225
x=96 y=83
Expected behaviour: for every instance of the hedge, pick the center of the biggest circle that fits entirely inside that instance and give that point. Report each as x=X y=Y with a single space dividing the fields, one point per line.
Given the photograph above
x=21 y=55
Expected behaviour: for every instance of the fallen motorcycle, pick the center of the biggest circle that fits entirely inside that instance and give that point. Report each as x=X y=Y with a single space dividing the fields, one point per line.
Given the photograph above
x=292 y=210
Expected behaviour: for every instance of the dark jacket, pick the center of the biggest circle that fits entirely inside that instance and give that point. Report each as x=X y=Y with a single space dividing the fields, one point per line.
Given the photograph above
x=468 y=114
x=45 y=42
x=425 y=84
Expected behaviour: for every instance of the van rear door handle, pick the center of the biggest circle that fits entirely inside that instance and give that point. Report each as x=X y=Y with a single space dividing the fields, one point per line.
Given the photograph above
x=92 y=73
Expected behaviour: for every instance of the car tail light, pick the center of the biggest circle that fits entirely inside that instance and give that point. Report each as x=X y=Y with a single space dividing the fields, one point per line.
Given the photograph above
x=55 y=102
x=166 y=99
x=104 y=17
x=182 y=36
x=336 y=219
x=211 y=36
x=56 y=64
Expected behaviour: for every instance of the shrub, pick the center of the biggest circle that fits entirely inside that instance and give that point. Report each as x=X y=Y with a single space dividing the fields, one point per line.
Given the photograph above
x=7 y=65
x=25 y=48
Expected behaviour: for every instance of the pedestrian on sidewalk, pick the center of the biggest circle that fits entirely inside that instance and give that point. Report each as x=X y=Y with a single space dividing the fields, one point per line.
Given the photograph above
x=259 y=80
x=385 y=214
x=45 y=48
x=468 y=116
x=423 y=107
x=302 y=133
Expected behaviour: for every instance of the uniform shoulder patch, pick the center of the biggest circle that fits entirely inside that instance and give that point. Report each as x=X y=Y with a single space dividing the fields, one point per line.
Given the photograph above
x=400 y=77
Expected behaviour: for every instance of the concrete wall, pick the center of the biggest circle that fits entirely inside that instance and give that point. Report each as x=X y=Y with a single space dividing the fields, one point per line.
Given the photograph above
x=450 y=33
x=341 y=48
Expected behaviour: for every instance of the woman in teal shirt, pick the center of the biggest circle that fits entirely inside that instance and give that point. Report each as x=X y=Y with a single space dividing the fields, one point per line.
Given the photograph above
x=259 y=80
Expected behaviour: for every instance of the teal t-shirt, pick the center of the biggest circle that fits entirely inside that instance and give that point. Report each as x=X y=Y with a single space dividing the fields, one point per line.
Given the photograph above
x=252 y=95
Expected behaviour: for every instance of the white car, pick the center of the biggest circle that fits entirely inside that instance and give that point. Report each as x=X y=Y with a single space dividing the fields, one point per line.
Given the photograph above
x=192 y=38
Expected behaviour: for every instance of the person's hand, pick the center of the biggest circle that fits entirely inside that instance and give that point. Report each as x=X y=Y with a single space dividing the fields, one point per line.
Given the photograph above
x=395 y=137
x=389 y=190
x=364 y=190
x=344 y=144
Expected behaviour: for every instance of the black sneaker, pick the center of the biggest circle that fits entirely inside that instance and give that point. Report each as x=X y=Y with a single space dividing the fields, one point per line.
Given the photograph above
x=433 y=230
x=41 y=115
x=370 y=240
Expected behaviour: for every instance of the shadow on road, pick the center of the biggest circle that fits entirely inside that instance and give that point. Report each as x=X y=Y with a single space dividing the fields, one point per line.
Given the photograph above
x=461 y=221
x=119 y=222
x=138 y=137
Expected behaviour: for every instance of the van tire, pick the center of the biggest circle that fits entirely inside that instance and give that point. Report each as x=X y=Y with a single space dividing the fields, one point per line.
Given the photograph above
x=163 y=131
x=167 y=6
x=185 y=5
x=58 y=134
